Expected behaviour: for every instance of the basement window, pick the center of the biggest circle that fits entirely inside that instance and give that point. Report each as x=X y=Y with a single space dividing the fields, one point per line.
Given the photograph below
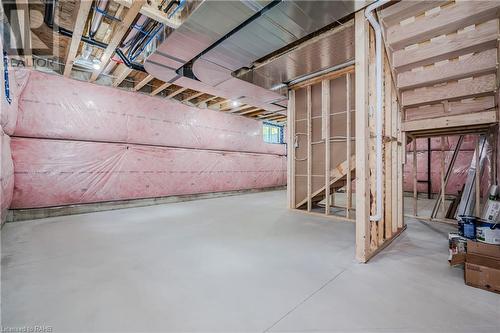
x=272 y=133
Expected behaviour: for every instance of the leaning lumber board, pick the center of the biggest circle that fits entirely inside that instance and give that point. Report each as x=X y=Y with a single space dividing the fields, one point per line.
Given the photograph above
x=475 y=64
x=452 y=90
x=407 y=8
x=476 y=118
x=450 y=108
x=337 y=174
x=447 y=20
x=483 y=37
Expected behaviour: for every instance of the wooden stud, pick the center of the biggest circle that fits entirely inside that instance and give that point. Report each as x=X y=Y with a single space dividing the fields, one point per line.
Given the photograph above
x=478 y=180
x=414 y=173
x=291 y=149
x=81 y=19
x=325 y=112
x=362 y=137
x=118 y=34
x=309 y=148
x=443 y=185
x=348 y=150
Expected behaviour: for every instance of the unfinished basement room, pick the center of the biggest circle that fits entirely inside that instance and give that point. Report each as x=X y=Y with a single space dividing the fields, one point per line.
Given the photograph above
x=250 y=166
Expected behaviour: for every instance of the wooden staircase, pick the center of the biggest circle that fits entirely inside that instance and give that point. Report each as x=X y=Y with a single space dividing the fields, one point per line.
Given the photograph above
x=338 y=176
x=444 y=60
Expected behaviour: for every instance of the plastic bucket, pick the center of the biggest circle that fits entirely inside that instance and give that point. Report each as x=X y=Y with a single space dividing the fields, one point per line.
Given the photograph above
x=467 y=228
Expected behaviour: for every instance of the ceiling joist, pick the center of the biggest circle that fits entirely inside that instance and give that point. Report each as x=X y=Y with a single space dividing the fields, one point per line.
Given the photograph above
x=120 y=31
x=143 y=82
x=160 y=88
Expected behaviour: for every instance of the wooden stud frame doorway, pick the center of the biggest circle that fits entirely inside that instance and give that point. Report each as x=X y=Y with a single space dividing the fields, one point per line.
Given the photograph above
x=321 y=144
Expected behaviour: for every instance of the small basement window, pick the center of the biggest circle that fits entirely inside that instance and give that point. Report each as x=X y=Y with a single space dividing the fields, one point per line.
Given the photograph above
x=272 y=133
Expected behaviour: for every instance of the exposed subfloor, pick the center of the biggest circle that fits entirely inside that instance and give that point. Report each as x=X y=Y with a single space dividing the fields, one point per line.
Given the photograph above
x=231 y=264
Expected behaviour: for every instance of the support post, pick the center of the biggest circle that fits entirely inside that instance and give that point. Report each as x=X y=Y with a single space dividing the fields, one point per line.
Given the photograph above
x=309 y=148
x=362 y=139
x=325 y=108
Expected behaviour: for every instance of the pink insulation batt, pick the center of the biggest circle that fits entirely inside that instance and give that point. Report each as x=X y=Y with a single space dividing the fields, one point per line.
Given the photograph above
x=6 y=175
x=58 y=172
x=57 y=107
x=76 y=142
x=460 y=168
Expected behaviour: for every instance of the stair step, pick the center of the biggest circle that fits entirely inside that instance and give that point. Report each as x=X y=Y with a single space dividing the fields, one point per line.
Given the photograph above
x=452 y=90
x=482 y=37
x=471 y=65
x=402 y=10
x=447 y=20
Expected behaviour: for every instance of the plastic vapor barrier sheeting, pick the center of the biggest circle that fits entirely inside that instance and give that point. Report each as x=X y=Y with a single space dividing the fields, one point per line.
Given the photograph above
x=6 y=175
x=56 y=107
x=58 y=172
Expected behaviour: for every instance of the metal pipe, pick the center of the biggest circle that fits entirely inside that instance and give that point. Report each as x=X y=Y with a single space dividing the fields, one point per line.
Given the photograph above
x=429 y=177
x=97 y=16
x=318 y=73
x=378 y=86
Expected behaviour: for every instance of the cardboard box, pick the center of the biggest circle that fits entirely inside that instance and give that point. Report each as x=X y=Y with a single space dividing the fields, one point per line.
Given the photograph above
x=483 y=249
x=482 y=272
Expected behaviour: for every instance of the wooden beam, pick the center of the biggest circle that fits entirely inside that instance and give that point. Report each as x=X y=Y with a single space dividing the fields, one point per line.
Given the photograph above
x=466 y=120
x=482 y=37
x=248 y=111
x=362 y=138
x=177 y=92
x=218 y=104
x=160 y=88
x=151 y=10
x=447 y=20
x=121 y=73
x=453 y=90
x=471 y=65
x=117 y=36
x=241 y=108
x=198 y=94
x=206 y=100
x=81 y=19
x=402 y=10
x=143 y=82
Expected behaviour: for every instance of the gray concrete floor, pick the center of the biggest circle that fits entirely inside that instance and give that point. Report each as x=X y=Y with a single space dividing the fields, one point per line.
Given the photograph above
x=235 y=264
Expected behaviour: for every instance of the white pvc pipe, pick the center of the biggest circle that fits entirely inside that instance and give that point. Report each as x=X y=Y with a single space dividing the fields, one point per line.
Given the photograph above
x=378 y=127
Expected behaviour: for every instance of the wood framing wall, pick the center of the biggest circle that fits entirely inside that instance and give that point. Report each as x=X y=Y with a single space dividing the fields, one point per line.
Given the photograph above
x=373 y=236
x=321 y=148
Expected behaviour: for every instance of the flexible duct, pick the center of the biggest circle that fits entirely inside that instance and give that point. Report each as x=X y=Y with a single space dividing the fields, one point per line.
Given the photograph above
x=378 y=119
